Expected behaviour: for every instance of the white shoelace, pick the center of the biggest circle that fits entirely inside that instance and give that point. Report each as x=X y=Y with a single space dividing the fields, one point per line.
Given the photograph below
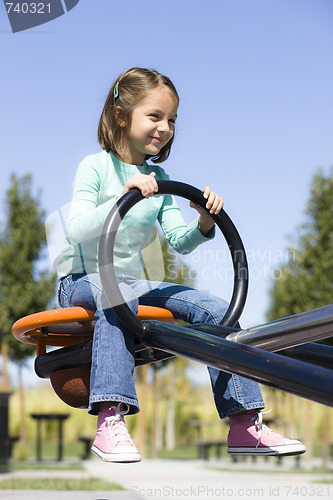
x=259 y=425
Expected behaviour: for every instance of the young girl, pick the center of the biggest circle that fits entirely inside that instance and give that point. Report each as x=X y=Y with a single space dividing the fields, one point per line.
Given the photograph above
x=137 y=124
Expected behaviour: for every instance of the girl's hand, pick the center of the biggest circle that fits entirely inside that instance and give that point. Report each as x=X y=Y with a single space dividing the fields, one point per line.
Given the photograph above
x=146 y=183
x=214 y=205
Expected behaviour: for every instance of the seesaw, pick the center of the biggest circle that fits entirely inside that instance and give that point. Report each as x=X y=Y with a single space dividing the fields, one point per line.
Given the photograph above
x=279 y=354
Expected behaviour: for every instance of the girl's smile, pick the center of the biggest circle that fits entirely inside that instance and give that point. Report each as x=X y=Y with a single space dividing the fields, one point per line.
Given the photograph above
x=152 y=126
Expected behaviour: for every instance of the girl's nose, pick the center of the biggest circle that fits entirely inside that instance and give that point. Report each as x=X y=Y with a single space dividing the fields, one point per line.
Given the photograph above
x=163 y=126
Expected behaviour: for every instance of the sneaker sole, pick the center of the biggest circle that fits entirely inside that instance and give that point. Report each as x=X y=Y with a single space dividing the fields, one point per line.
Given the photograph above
x=292 y=449
x=124 y=458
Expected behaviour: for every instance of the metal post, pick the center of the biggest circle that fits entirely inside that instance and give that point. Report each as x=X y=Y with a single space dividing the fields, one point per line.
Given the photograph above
x=5 y=446
x=60 y=440
x=39 y=441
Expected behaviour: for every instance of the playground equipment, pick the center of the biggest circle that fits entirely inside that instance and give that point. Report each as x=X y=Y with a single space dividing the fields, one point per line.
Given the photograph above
x=280 y=354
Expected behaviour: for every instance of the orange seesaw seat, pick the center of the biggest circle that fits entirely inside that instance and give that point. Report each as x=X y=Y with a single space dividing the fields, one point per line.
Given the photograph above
x=67 y=326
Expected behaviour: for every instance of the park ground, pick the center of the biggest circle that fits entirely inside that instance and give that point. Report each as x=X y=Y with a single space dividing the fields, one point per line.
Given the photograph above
x=168 y=479
x=173 y=475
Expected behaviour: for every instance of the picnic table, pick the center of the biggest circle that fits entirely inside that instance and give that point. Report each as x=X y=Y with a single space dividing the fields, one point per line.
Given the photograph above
x=40 y=417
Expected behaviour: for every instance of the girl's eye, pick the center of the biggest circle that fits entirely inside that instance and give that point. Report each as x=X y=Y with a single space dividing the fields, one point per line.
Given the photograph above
x=172 y=121
x=154 y=115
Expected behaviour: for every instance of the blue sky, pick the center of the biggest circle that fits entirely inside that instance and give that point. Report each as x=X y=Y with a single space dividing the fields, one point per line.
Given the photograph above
x=255 y=80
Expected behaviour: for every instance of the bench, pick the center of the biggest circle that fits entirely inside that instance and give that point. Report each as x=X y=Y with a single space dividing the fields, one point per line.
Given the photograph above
x=12 y=441
x=205 y=446
x=87 y=441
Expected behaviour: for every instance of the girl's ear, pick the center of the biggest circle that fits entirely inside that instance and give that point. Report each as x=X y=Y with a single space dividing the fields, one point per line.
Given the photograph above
x=120 y=117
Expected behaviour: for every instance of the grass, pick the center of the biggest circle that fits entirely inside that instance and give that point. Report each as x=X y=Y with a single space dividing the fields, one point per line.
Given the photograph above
x=73 y=451
x=180 y=453
x=57 y=484
x=51 y=483
x=262 y=470
x=17 y=466
x=49 y=450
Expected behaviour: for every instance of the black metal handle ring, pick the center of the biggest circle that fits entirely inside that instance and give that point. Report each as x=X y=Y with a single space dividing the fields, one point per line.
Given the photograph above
x=106 y=246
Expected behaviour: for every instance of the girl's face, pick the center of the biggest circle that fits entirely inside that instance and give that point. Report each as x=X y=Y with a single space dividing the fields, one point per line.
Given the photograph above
x=152 y=125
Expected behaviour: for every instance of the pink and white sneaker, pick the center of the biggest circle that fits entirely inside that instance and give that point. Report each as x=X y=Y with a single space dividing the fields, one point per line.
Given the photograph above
x=249 y=436
x=113 y=442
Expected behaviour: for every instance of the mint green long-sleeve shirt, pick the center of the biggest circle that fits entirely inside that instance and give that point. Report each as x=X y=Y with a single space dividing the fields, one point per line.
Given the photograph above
x=99 y=180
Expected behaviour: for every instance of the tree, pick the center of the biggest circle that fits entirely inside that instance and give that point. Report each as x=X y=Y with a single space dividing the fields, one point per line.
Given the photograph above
x=24 y=288
x=306 y=280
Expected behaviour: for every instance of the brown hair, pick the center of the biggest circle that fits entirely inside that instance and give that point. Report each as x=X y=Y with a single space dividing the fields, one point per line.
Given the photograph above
x=126 y=91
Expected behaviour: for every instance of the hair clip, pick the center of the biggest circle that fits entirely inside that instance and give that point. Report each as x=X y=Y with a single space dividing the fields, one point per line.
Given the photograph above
x=115 y=91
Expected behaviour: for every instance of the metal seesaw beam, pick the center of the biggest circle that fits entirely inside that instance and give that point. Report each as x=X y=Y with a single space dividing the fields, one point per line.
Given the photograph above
x=317 y=354
x=304 y=379
x=280 y=334
x=288 y=332
x=289 y=336
x=294 y=376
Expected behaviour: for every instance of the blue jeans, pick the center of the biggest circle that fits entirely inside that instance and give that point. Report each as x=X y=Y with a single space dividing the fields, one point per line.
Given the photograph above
x=113 y=346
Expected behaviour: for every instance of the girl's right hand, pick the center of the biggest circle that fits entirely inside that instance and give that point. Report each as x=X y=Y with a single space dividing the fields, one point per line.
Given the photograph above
x=146 y=183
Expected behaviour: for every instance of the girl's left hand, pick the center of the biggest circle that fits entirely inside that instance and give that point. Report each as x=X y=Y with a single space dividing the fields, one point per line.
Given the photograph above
x=214 y=205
